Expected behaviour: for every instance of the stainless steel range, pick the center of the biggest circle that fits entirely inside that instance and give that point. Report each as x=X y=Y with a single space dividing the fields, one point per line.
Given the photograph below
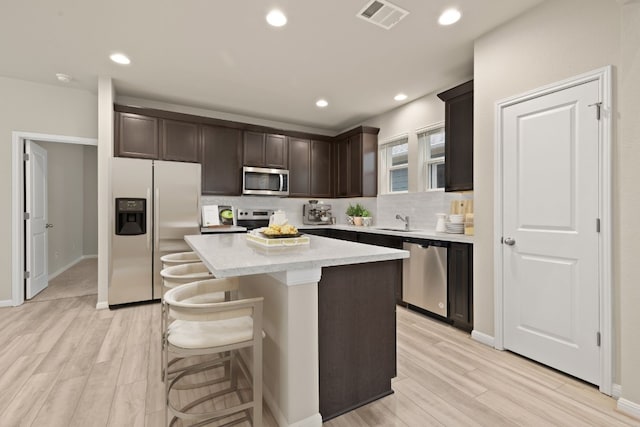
x=253 y=218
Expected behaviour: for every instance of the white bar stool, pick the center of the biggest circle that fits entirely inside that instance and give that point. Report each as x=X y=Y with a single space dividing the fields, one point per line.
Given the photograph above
x=208 y=328
x=178 y=258
x=177 y=275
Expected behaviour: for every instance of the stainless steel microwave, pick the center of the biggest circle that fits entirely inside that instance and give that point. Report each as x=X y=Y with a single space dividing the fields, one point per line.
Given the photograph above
x=265 y=181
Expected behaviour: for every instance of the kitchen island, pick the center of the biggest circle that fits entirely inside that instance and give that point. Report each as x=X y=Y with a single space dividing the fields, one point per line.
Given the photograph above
x=329 y=319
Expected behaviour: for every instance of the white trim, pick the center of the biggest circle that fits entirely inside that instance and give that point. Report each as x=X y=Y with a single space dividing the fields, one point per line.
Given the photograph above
x=482 y=338
x=314 y=420
x=6 y=303
x=298 y=277
x=102 y=305
x=616 y=391
x=17 y=171
x=603 y=77
x=629 y=407
x=393 y=139
x=431 y=127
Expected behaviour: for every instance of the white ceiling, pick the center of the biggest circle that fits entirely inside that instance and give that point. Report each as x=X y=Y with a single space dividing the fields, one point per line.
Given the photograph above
x=221 y=55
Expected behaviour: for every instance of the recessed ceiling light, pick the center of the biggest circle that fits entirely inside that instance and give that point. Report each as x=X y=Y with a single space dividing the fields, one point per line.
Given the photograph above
x=400 y=97
x=64 y=78
x=322 y=103
x=276 y=18
x=120 y=58
x=449 y=16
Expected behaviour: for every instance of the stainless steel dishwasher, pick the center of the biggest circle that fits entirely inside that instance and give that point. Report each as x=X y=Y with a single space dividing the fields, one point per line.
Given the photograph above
x=424 y=275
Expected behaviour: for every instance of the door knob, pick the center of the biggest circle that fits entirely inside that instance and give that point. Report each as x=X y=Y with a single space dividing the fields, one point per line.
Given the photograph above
x=509 y=241
x=48 y=226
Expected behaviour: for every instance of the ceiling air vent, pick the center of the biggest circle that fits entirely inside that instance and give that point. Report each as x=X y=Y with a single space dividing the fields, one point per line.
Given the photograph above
x=382 y=13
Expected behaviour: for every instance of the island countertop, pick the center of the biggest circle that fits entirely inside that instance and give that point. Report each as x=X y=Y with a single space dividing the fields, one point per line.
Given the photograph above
x=227 y=255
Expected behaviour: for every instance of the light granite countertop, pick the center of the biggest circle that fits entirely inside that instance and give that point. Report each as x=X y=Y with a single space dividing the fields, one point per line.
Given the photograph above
x=230 y=254
x=222 y=229
x=415 y=234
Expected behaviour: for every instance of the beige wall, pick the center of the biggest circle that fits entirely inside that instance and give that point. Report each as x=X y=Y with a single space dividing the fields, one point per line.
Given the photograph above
x=65 y=204
x=554 y=41
x=628 y=202
x=90 y=200
x=33 y=107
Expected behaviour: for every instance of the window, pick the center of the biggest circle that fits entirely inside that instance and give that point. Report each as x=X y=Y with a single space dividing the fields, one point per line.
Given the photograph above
x=431 y=142
x=394 y=166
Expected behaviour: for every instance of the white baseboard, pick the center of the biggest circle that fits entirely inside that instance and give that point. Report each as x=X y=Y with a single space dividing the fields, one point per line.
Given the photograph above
x=629 y=407
x=616 y=391
x=482 y=338
x=102 y=305
x=89 y=256
x=6 y=303
x=314 y=420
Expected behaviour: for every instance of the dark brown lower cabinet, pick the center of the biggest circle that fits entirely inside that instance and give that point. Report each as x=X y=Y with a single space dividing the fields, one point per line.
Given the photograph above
x=460 y=285
x=356 y=335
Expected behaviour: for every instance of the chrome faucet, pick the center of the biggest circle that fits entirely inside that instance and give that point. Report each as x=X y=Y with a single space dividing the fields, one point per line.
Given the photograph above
x=405 y=220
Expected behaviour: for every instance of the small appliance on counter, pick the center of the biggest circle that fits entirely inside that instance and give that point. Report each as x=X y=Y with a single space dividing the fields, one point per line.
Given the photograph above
x=314 y=213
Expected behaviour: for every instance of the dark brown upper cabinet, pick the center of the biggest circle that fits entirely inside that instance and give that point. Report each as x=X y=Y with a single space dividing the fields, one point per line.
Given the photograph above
x=299 y=167
x=357 y=158
x=136 y=136
x=180 y=141
x=265 y=150
x=309 y=168
x=221 y=160
x=458 y=134
x=321 y=169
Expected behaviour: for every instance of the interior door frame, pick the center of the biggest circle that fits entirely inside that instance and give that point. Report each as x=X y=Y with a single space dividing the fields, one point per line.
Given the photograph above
x=603 y=76
x=18 y=203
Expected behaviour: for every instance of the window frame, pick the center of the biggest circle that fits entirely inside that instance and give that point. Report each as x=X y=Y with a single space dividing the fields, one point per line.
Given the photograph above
x=386 y=166
x=425 y=156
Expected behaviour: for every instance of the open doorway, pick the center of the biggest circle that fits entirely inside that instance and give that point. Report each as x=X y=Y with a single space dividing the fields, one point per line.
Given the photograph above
x=68 y=261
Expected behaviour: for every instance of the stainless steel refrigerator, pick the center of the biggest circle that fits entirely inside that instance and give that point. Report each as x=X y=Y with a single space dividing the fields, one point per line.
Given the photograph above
x=154 y=205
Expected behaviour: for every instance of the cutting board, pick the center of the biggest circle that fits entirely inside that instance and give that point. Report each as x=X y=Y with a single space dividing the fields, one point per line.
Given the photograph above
x=461 y=207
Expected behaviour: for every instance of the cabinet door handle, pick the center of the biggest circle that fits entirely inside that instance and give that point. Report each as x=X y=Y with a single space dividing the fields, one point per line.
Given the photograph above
x=509 y=241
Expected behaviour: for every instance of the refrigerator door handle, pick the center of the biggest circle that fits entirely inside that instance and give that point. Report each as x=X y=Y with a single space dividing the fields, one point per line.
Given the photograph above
x=148 y=219
x=156 y=212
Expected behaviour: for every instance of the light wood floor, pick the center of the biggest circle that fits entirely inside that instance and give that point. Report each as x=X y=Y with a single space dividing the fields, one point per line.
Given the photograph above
x=81 y=279
x=64 y=363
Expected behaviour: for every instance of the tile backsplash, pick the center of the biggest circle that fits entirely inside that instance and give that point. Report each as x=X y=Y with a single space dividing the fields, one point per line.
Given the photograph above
x=421 y=207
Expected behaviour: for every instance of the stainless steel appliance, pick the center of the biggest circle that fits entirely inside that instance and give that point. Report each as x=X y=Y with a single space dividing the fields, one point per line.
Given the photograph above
x=316 y=213
x=156 y=204
x=264 y=181
x=253 y=218
x=424 y=275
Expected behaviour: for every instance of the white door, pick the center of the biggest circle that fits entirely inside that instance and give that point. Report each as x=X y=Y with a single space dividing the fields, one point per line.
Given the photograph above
x=550 y=212
x=36 y=225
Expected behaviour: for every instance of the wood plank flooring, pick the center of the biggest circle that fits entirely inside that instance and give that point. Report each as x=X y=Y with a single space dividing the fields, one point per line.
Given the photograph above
x=64 y=363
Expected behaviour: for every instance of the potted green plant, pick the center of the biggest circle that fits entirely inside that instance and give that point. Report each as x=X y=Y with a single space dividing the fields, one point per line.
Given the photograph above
x=354 y=213
x=367 y=220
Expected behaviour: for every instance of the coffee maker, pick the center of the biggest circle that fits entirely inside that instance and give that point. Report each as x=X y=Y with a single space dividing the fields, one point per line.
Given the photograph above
x=314 y=213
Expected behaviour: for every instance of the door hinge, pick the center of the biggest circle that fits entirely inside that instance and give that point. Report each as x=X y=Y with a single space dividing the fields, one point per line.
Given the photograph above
x=27 y=274
x=597 y=225
x=598 y=106
x=26 y=216
x=598 y=339
x=25 y=156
